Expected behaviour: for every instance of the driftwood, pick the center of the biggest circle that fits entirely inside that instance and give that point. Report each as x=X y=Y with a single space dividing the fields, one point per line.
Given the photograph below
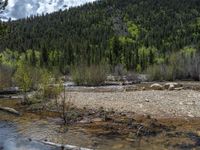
x=9 y=110
x=63 y=147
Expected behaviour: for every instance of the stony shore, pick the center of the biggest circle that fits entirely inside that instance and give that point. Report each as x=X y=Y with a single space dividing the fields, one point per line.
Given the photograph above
x=158 y=103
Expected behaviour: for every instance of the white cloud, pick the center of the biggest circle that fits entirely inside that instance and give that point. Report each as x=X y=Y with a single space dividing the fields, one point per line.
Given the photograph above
x=22 y=8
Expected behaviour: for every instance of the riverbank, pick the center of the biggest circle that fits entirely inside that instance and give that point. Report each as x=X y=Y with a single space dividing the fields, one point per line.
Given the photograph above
x=104 y=120
x=102 y=130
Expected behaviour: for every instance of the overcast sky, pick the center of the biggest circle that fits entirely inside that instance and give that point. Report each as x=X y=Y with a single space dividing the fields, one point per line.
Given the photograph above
x=22 y=8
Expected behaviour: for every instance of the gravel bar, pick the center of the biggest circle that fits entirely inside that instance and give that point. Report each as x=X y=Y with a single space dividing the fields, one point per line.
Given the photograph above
x=184 y=103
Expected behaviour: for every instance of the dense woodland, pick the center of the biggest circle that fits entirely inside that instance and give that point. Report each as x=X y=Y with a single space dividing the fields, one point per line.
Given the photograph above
x=134 y=33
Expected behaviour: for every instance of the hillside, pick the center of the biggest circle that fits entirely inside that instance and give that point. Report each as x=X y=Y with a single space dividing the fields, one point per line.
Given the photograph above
x=136 y=33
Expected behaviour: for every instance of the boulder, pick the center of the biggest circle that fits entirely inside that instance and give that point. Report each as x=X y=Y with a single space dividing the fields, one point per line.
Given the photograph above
x=172 y=85
x=156 y=86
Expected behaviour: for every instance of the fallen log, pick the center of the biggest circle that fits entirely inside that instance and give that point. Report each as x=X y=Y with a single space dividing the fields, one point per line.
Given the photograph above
x=63 y=146
x=10 y=110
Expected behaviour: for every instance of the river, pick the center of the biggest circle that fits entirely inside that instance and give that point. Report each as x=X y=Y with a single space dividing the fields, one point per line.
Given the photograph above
x=11 y=139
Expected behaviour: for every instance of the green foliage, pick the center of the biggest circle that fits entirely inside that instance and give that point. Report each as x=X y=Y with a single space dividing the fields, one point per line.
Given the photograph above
x=46 y=78
x=23 y=77
x=92 y=76
x=133 y=29
x=125 y=40
x=146 y=56
x=139 y=68
x=9 y=58
x=188 y=51
x=29 y=78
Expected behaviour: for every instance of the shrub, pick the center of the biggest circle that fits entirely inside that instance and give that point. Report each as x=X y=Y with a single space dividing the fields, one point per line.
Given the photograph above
x=119 y=70
x=65 y=107
x=52 y=92
x=154 y=72
x=6 y=73
x=32 y=78
x=90 y=75
x=178 y=66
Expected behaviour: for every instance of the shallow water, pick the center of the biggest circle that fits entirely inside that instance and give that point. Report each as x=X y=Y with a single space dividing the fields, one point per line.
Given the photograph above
x=10 y=139
x=24 y=134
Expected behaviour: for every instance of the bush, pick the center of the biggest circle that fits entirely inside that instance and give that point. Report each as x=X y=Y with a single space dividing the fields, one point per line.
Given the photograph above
x=119 y=70
x=178 y=66
x=6 y=73
x=160 y=72
x=52 y=92
x=90 y=75
x=32 y=78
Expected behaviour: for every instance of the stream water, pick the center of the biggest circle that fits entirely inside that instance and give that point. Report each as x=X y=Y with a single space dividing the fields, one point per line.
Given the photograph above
x=29 y=130
x=27 y=134
x=10 y=139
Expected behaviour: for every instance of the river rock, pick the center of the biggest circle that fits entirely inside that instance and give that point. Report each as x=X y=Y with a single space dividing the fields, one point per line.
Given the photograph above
x=198 y=133
x=179 y=88
x=97 y=120
x=118 y=146
x=85 y=121
x=156 y=86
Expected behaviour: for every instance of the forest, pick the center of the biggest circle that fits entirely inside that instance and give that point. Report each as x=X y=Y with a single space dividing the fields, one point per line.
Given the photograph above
x=141 y=35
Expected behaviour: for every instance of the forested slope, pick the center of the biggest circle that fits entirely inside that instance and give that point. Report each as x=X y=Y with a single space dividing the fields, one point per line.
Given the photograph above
x=136 y=33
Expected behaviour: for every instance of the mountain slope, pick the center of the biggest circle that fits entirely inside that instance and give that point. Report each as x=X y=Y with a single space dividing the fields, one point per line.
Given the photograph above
x=130 y=32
